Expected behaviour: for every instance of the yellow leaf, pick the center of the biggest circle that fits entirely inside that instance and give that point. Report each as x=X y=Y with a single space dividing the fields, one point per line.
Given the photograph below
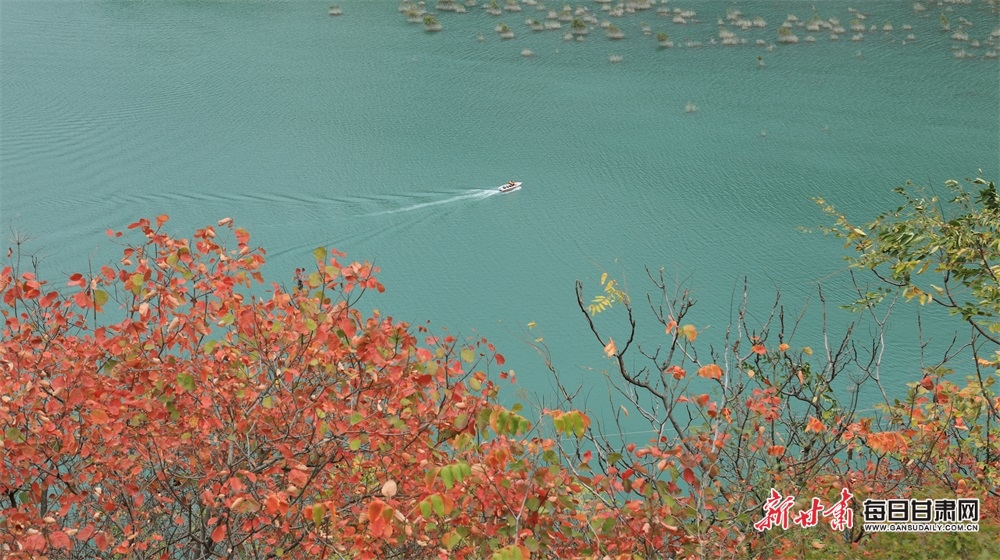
x=468 y=354
x=807 y=351
x=604 y=278
x=690 y=332
x=610 y=349
x=531 y=324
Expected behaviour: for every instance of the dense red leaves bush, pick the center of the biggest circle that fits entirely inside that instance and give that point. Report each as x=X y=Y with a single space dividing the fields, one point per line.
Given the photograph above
x=163 y=407
x=168 y=406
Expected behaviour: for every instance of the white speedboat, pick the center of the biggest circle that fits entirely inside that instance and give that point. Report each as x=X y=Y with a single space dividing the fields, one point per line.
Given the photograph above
x=511 y=186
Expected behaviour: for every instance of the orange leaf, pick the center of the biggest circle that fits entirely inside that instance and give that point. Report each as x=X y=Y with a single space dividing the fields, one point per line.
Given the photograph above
x=375 y=510
x=783 y=347
x=272 y=504
x=776 y=450
x=711 y=371
x=882 y=442
x=160 y=220
x=702 y=400
x=814 y=425
x=759 y=349
x=610 y=349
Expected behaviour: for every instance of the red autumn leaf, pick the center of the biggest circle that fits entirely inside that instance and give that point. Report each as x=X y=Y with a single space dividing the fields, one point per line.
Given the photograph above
x=48 y=298
x=60 y=539
x=298 y=477
x=98 y=416
x=34 y=542
x=85 y=533
x=759 y=349
x=219 y=533
x=83 y=300
x=161 y=219
x=689 y=477
x=101 y=540
x=500 y=359
x=702 y=399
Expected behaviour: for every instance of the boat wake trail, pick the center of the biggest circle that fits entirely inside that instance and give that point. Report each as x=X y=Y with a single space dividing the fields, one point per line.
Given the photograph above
x=477 y=194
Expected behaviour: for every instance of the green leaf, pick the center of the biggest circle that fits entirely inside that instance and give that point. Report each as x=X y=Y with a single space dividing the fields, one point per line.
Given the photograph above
x=425 y=509
x=317 y=515
x=356 y=418
x=14 y=434
x=447 y=476
x=560 y=423
x=355 y=444
x=100 y=298
x=451 y=540
x=320 y=253
x=437 y=504
x=186 y=381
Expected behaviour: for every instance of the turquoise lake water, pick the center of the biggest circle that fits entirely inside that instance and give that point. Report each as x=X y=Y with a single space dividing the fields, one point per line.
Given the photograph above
x=367 y=134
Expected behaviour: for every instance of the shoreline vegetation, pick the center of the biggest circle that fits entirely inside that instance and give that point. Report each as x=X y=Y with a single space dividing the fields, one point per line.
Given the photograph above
x=174 y=403
x=949 y=19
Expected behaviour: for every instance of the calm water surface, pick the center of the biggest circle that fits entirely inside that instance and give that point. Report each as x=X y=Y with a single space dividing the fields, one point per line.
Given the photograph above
x=367 y=134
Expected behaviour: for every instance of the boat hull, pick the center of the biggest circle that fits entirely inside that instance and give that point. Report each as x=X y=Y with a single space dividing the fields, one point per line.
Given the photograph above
x=510 y=188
